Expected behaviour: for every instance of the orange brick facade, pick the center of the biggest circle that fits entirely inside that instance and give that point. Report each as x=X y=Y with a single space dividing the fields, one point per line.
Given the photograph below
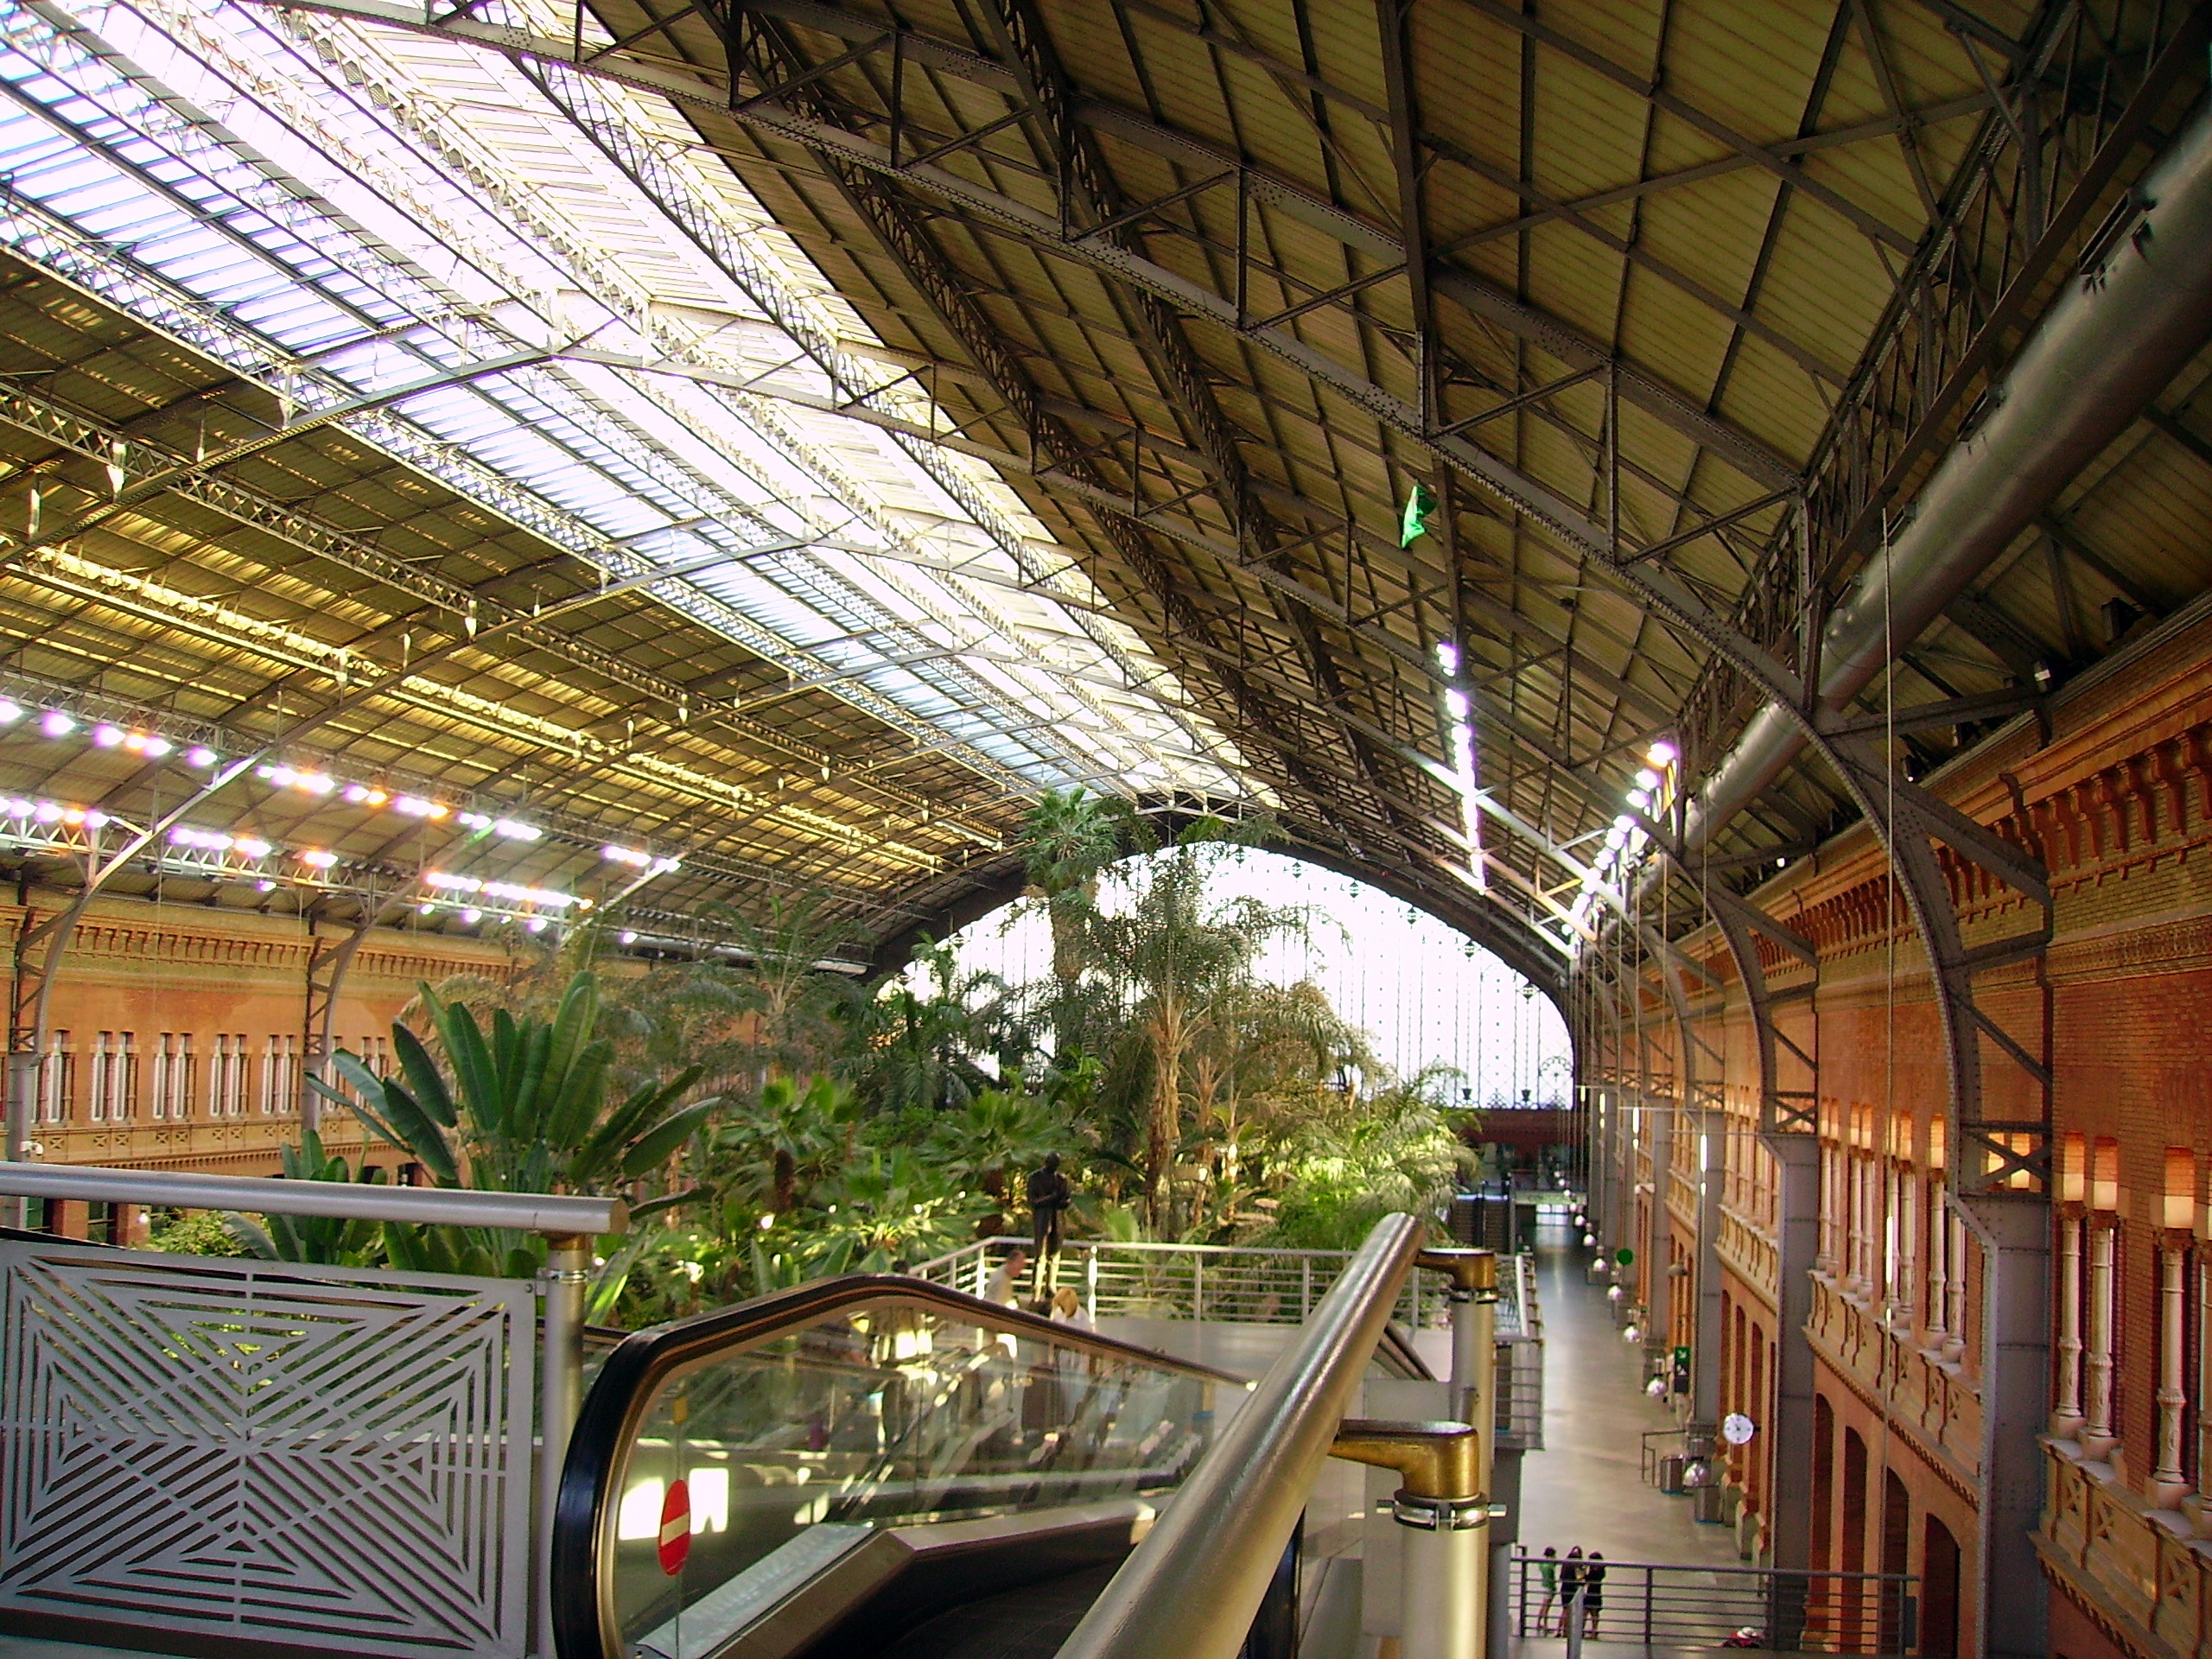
x=2119 y=804
x=177 y=1036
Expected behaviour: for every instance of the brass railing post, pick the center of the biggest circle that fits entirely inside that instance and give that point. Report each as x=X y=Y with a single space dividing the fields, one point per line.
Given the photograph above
x=1474 y=1342
x=1444 y=1517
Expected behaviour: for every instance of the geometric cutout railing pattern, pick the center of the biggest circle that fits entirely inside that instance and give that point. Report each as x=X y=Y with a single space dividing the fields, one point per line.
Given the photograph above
x=320 y=1457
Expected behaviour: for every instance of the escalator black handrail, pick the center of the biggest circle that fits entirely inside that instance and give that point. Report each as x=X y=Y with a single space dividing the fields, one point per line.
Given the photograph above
x=624 y=1389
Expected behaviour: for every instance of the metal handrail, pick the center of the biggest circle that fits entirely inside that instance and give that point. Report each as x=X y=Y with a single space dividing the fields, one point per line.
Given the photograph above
x=1268 y=1284
x=1017 y=1242
x=557 y=1215
x=1192 y=1587
x=1691 y=1603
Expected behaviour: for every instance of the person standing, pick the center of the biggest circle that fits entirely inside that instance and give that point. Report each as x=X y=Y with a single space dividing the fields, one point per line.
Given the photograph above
x=1049 y=1197
x=1004 y=1286
x=1593 y=1593
x=1547 y=1574
x=1570 y=1580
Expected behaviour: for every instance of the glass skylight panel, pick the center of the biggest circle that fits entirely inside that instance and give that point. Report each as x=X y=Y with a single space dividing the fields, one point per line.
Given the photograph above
x=403 y=229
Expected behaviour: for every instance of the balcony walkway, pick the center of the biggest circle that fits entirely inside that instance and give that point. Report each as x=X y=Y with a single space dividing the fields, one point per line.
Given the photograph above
x=1586 y=1486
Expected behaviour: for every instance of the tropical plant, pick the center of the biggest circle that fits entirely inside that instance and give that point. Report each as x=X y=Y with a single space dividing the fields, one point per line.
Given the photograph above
x=922 y=1049
x=891 y=1208
x=1069 y=836
x=1397 y=1148
x=800 y=1015
x=766 y=1161
x=328 y=1241
x=521 y=1108
x=193 y=1232
x=663 y=1015
x=1173 y=958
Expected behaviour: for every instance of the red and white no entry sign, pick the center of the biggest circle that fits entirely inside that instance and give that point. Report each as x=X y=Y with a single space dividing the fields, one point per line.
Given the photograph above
x=675 y=1528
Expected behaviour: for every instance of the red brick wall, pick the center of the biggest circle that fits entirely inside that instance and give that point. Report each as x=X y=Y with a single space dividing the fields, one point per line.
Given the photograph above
x=2119 y=804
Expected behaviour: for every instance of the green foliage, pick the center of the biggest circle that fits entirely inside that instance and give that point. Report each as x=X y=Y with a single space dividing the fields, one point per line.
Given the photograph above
x=850 y=1129
x=1398 y=1150
x=523 y=1107
x=327 y=1241
x=1179 y=970
x=193 y=1232
x=925 y=1049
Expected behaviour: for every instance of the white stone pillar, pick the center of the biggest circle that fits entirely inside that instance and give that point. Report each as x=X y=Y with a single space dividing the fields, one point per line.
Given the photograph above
x=1824 y=1259
x=2203 y=1390
x=1956 y=1320
x=2097 y=1438
x=1859 y=1277
x=1939 y=1255
x=2066 y=1417
x=2167 y=1486
x=1908 y=1251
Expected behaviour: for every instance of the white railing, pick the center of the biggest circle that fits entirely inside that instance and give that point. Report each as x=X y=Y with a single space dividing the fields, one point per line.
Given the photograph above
x=1233 y=1285
x=1226 y=1283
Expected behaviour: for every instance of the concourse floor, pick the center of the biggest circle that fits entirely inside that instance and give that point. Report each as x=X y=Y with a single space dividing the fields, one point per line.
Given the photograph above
x=1586 y=1486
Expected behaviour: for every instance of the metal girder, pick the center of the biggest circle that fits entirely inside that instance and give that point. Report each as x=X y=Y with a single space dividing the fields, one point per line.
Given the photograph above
x=1981 y=272
x=1047 y=475
x=1096 y=201
x=1218 y=166
x=1992 y=1156
x=201 y=468
x=99 y=268
x=1478 y=297
x=894 y=225
x=328 y=959
x=31 y=411
x=1806 y=144
x=1644 y=87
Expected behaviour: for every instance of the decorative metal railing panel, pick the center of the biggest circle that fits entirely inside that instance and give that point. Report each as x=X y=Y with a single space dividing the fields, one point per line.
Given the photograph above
x=323 y=1457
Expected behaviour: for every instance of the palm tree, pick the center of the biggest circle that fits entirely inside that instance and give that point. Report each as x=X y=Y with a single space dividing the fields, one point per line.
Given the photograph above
x=1260 y=1070
x=921 y=1051
x=1067 y=839
x=1175 y=956
x=774 y=1154
x=801 y=1012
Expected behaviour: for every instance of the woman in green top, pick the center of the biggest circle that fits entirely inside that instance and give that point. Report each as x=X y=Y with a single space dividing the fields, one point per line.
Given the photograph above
x=1547 y=1571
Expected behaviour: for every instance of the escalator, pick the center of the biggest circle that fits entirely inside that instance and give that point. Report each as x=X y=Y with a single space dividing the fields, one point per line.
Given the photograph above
x=868 y=1467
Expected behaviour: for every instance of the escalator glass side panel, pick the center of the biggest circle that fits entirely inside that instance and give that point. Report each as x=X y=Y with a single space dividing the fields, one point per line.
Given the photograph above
x=717 y=1472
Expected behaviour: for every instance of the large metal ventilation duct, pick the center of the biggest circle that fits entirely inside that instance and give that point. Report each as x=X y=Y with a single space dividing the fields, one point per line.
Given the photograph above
x=2106 y=347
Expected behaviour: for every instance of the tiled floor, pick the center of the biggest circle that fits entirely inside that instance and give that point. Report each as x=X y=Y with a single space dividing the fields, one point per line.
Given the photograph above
x=1586 y=1486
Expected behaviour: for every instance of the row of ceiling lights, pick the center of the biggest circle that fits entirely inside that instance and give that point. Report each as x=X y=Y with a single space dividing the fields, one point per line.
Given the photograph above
x=256 y=852
x=1650 y=795
x=59 y=723
x=1460 y=709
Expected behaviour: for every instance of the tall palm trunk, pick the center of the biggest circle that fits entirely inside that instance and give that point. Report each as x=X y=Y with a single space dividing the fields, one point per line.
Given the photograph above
x=1169 y=1035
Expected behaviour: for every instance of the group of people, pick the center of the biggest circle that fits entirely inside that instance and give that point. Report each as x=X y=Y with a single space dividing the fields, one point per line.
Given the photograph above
x=1004 y=1288
x=1563 y=1577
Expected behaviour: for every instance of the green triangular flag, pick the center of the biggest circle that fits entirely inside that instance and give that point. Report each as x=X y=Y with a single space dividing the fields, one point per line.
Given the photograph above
x=1413 y=522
